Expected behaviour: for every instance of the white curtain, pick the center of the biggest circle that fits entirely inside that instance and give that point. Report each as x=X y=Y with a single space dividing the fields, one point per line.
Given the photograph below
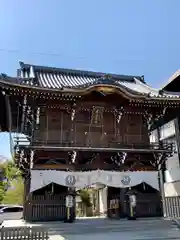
x=41 y=178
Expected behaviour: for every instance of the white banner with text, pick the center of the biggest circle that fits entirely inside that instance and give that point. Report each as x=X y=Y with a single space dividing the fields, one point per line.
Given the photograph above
x=42 y=178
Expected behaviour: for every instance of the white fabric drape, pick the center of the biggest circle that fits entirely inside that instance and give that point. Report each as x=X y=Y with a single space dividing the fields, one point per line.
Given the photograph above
x=41 y=178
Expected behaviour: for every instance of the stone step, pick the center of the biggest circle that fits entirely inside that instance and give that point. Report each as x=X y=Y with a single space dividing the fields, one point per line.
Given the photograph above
x=124 y=226
x=117 y=223
x=100 y=225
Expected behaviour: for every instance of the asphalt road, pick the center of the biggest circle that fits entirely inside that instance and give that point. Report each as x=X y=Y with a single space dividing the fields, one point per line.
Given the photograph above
x=10 y=216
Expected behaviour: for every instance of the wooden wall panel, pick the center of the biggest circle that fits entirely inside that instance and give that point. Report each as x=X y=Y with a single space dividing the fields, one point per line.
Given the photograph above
x=56 y=126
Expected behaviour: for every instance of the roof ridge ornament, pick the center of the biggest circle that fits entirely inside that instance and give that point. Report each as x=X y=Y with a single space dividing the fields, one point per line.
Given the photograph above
x=105 y=79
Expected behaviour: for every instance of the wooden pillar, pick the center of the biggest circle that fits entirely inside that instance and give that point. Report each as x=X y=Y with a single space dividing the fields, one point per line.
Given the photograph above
x=103 y=201
x=161 y=179
x=27 y=204
x=122 y=202
x=161 y=188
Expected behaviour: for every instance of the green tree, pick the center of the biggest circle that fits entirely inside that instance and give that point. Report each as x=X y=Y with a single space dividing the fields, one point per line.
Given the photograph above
x=85 y=197
x=2 y=191
x=86 y=201
x=9 y=173
x=14 y=195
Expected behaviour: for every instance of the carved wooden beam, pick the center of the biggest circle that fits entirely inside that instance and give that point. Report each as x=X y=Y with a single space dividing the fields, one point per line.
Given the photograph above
x=151 y=118
x=24 y=106
x=29 y=122
x=148 y=119
x=119 y=158
x=73 y=111
x=38 y=110
x=122 y=156
x=119 y=113
x=31 y=159
x=72 y=157
x=160 y=159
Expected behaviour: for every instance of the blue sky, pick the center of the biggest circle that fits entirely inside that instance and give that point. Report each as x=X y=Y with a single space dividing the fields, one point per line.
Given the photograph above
x=137 y=37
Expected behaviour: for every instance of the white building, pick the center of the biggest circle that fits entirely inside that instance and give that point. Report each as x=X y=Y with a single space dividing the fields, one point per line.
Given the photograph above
x=167 y=134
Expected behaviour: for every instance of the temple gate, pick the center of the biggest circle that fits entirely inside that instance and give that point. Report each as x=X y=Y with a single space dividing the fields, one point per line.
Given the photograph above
x=84 y=128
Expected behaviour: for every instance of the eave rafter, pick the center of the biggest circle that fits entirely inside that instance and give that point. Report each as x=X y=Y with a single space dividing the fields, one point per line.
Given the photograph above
x=71 y=93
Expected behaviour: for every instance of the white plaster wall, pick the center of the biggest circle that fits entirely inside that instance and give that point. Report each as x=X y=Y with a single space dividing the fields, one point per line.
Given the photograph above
x=172 y=162
x=167 y=130
x=172 y=189
x=172 y=175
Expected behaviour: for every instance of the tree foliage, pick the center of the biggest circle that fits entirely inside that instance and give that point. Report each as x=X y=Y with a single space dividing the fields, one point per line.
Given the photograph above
x=14 y=195
x=2 y=192
x=85 y=197
x=9 y=173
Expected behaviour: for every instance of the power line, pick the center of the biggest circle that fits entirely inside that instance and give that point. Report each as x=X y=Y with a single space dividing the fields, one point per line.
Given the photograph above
x=35 y=53
x=18 y=51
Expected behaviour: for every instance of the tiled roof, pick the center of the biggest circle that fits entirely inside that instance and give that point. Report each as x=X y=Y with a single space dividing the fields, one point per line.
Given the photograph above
x=68 y=79
x=49 y=77
x=55 y=78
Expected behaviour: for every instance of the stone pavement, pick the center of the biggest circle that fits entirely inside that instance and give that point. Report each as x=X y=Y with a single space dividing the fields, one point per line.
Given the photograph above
x=57 y=237
x=103 y=229
x=141 y=229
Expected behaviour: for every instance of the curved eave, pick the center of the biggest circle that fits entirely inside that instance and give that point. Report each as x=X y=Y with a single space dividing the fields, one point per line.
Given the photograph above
x=123 y=91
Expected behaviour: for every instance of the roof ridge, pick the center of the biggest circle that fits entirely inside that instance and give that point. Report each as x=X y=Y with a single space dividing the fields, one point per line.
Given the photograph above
x=4 y=75
x=147 y=85
x=79 y=71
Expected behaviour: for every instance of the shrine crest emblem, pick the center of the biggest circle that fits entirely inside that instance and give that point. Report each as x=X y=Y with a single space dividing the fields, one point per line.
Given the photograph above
x=70 y=180
x=126 y=180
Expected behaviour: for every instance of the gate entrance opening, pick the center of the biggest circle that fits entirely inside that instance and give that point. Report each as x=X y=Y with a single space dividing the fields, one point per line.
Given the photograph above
x=49 y=202
x=81 y=121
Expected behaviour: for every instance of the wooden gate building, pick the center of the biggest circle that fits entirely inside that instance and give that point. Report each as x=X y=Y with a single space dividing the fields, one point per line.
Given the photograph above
x=77 y=121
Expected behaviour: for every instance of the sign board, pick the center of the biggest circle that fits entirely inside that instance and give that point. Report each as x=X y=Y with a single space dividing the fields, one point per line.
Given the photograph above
x=132 y=199
x=69 y=201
